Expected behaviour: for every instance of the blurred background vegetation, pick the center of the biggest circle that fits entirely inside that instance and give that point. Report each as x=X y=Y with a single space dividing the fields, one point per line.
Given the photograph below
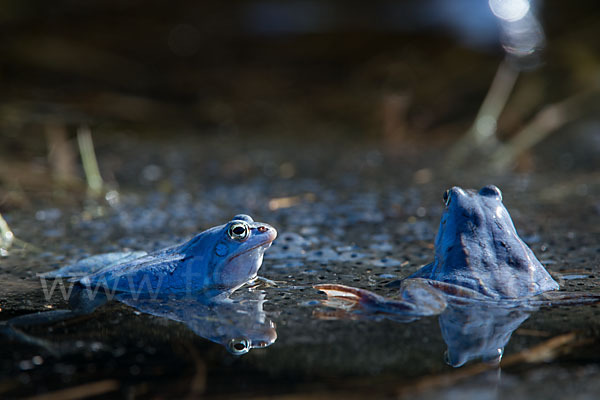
x=406 y=75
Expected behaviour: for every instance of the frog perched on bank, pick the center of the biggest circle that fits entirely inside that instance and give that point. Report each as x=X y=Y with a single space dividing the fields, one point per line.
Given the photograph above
x=221 y=258
x=478 y=255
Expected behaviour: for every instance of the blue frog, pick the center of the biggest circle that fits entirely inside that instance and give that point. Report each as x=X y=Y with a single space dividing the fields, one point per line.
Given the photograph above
x=477 y=247
x=189 y=283
x=478 y=255
x=221 y=258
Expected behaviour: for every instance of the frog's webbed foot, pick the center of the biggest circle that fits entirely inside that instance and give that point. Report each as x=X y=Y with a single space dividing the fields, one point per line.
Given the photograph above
x=81 y=304
x=13 y=333
x=40 y=318
x=565 y=298
x=351 y=299
x=11 y=328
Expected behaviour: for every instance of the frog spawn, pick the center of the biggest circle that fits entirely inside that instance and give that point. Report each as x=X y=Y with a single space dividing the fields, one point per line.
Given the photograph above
x=323 y=247
x=292 y=250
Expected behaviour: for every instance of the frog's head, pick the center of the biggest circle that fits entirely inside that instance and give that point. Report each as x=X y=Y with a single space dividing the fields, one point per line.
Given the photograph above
x=232 y=253
x=468 y=223
x=478 y=247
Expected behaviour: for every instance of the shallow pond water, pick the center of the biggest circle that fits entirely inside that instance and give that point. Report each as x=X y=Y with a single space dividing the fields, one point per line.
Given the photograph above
x=345 y=214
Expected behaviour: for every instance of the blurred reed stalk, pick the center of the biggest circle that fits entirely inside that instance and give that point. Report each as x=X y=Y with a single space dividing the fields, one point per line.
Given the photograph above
x=482 y=134
x=394 y=111
x=61 y=155
x=88 y=158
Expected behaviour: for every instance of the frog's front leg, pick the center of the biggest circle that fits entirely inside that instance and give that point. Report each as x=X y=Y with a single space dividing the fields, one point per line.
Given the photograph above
x=261 y=283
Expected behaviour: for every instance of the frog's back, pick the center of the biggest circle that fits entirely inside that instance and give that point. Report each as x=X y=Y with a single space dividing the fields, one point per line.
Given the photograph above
x=152 y=273
x=94 y=264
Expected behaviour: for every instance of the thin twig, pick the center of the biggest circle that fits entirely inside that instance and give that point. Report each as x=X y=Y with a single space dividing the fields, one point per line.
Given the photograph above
x=198 y=381
x=61 y=155
x=546 y=121
x=81 y=391
x=540 y=353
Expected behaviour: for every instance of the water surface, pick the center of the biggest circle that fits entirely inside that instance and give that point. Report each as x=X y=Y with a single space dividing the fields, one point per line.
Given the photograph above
x=345 y=214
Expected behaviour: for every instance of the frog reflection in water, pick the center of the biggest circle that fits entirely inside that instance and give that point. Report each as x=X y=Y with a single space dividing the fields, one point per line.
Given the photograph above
x=479 y=257
x=190 y=283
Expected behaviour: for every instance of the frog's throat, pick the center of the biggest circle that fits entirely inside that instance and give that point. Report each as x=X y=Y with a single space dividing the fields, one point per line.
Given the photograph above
x=266 y=243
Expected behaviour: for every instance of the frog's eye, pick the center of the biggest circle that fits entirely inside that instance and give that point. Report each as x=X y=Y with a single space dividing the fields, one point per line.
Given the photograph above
x=238 y=231
x=491 y=191
x=238 y=346
x=242 y=217
x=446 y=197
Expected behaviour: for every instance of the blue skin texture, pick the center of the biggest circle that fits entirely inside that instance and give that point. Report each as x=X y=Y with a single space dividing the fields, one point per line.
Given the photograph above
x=221 y=258
x=477 y=247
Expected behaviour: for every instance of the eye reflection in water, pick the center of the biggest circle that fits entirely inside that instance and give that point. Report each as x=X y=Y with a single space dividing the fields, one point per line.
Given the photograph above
x=239 y=324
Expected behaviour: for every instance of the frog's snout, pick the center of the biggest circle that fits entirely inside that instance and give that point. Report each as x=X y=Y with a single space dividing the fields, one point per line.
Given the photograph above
x=269 y=231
